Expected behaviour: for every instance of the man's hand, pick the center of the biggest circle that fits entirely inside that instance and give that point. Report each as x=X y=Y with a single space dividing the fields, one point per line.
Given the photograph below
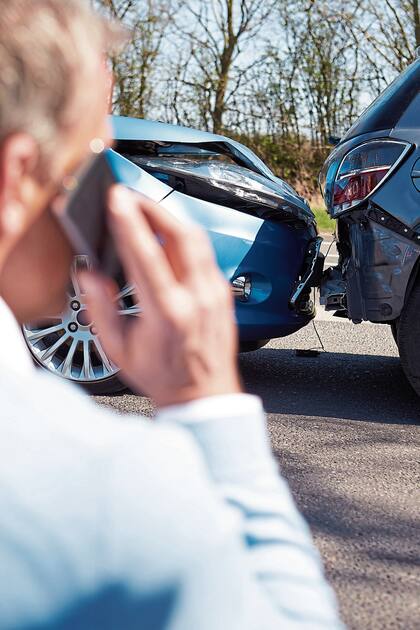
x=184 y=344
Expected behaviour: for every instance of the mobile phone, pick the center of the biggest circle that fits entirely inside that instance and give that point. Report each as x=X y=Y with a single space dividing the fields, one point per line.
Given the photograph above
x=84 y=218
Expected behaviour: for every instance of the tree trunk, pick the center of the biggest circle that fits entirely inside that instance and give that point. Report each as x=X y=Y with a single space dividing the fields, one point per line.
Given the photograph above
x=416 y=16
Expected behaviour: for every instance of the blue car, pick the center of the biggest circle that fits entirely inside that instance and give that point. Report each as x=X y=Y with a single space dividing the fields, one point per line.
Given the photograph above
x=263 y=233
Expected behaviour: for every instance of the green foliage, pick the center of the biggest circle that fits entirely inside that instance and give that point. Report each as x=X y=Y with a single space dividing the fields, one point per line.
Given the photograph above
x=296 y=161
x=323 y=220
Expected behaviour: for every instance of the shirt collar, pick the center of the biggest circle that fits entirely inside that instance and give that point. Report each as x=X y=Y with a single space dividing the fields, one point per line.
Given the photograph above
x=14 y=354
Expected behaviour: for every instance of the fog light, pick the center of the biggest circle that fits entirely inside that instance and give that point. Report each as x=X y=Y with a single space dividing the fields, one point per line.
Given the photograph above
x=241 y=288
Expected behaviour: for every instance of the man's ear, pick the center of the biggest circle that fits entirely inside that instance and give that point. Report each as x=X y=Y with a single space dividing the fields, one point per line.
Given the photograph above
x=18 y=158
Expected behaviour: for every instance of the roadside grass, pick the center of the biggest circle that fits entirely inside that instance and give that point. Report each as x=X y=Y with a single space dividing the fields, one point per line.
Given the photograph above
x=323 y=219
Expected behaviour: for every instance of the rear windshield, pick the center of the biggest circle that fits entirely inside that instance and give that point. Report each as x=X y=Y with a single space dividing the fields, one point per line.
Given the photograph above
x=387 y=109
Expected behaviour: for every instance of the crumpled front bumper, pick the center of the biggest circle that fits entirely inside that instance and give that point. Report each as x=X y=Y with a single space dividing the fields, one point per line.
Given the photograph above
x=377 y=258
x=311 y=275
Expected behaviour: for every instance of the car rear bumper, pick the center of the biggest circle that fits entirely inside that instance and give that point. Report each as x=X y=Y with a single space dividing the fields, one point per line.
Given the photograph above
x=377 y=258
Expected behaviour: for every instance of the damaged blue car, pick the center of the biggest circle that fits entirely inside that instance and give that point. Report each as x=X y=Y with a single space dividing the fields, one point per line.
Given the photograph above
x=263 y=233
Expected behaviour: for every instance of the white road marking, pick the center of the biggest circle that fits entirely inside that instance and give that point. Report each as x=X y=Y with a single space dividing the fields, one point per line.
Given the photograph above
x=329 y=249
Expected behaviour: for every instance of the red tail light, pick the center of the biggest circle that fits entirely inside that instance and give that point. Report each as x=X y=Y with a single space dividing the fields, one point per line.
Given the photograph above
x=363 y=170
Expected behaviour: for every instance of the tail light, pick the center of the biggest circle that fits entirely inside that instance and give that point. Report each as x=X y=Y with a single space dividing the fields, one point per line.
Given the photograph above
x=363 y=170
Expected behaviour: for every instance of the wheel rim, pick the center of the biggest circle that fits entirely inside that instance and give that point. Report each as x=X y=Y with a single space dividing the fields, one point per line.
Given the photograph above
x=67 y=344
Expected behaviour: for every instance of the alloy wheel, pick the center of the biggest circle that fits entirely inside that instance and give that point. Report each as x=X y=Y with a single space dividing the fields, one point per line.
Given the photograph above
x=68 y=344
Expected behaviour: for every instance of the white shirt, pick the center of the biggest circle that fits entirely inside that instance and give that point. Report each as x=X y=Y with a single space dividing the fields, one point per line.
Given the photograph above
x=178 y=524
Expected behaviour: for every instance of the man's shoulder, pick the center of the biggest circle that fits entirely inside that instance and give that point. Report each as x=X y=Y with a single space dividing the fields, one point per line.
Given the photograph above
x=48 y=423
x=59 y=448
x=90 y=495
x=38 y=403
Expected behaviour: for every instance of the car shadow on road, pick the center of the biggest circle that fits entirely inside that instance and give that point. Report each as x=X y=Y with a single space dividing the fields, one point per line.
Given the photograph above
x=372 y=388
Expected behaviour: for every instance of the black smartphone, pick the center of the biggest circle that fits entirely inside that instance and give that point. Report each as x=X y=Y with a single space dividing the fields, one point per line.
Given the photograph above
x=84 y=218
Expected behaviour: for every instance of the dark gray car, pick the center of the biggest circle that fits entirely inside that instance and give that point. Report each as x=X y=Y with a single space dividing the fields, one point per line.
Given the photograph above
x=371 y=185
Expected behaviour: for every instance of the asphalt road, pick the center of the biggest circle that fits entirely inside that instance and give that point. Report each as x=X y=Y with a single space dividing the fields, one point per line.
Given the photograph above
x=345 y=427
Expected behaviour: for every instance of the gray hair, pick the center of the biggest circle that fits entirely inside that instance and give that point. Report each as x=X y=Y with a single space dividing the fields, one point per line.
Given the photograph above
x=45 y=45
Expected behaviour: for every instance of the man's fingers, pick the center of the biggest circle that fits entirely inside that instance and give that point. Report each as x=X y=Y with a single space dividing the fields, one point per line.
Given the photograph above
x=185 y=254
x=143 y=258
x=100 y=300
x=187 y=247
x=192 y=257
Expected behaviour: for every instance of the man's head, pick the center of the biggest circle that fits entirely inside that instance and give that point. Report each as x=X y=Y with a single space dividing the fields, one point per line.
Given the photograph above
x=54 y=90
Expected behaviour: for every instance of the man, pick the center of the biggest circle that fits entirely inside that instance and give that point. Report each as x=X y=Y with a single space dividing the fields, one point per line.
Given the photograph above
x=182 y=523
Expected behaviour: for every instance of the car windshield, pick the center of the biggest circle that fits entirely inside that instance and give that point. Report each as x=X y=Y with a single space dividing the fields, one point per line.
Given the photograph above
x=387 y=109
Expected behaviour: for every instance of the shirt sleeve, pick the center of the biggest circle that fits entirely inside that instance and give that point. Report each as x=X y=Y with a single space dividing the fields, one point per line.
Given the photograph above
x=284 y=565
x=214 y=407
x=181 y=524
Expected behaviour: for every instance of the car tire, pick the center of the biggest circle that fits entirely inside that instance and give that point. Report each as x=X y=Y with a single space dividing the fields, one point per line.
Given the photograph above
x=111 y=385
x=409 y=338
x=394 y=329
x=251 y=346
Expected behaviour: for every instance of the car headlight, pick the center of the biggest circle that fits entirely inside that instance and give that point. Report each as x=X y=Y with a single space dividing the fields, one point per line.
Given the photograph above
x=245 y=184
x=360 y=173
x=240 y=186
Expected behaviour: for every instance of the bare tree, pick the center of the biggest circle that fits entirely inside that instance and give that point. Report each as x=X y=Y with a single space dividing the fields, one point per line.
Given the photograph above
x=137 y=69
x=321 y=36
x=220 y=38
x=279 y=75
x=388 y=36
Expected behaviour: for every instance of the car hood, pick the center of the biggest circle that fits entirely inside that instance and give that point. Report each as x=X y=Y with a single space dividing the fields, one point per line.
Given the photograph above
x=148 y=130
x=154 y=131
